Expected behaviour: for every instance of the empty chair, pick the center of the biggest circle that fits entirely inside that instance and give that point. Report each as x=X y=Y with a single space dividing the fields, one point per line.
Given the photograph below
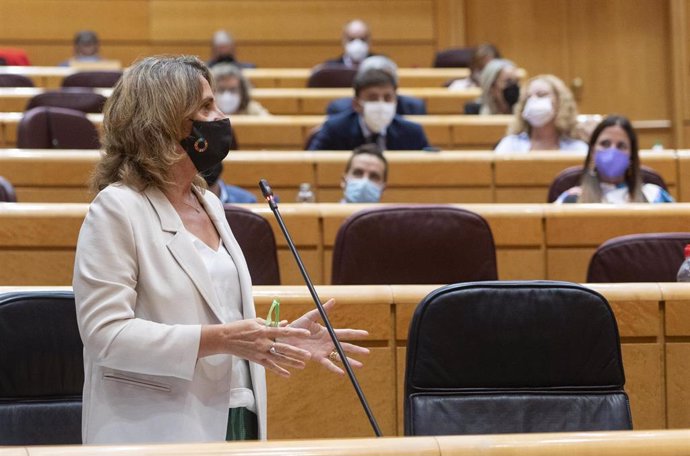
x=56 y=128
x=454 y=57
x=332 y=76
x=41 y=369
x=7 y=194
x=15 y=80
x=652 y=257
x=413 y=245
x=514 y=357
x=570 y=177
x=92 y=79
x=255 y=237
x=83 y=100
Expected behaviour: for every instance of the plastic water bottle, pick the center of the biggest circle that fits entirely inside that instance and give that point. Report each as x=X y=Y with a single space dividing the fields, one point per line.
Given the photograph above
x=684 y=271
x=305 y=193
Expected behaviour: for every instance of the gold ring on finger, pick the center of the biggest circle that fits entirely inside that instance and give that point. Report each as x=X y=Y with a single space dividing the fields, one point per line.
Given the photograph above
x=334 y=357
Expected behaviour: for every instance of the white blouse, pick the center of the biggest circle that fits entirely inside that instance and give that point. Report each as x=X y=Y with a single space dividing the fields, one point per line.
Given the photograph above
x=226 y=284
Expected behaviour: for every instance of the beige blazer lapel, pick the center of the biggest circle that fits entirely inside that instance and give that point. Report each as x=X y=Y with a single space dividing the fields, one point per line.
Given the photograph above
x=181 y=247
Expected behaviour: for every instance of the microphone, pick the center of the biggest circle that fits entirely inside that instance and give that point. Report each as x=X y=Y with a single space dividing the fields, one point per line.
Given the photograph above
x=268 y=194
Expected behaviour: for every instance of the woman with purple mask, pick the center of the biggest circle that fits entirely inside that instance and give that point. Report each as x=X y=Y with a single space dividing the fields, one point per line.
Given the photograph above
x=612 y=169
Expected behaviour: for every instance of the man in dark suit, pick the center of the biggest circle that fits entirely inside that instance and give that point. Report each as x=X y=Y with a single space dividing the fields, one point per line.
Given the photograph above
x=372 y=119
x=356 y=41
x=405 y=106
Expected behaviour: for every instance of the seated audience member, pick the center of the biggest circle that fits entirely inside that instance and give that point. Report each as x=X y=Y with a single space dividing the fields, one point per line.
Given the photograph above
x=86 y=47
x=373 y=119
x=356 y=40
x=366 y=174
x=500 y=89
x=228 y=194
x=612 y=169
x=482 y=55
x=233 y=91
x=405 y=106
x=223 y=50
x=545 y=119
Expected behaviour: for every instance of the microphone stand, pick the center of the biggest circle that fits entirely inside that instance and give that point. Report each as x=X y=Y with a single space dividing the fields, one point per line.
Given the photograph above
x=268 y=194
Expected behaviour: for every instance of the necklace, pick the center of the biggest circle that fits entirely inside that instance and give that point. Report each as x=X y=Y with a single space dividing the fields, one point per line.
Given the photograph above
x=197 y=209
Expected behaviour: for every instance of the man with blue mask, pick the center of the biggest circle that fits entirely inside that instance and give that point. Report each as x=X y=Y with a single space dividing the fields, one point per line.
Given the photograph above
x=365 y=175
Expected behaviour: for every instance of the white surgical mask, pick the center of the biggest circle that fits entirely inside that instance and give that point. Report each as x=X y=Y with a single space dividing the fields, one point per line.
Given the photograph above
x=357 y=49
x=228 y=102
x=538 y=111
x=378 y=115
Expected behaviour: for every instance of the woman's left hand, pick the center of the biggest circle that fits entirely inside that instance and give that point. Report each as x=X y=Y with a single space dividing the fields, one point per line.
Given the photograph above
x=320 y=345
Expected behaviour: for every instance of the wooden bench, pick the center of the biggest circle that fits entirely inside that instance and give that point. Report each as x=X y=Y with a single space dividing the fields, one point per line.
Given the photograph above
x=653 y=321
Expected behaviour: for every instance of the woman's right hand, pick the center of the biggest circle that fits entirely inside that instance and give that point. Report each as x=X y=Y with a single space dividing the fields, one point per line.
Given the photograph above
x=252 y=340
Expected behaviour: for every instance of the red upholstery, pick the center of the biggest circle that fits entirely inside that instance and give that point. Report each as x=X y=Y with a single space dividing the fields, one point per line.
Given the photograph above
x=56 y=128
x=654 y=257
x=413 y=245
x=7 y=194
x=570 y=177
x=83 y=100
x=11 y=56
x=15 y=80
x=332 y=76
x=454 y=58
x=255 y=236
x=92 y=79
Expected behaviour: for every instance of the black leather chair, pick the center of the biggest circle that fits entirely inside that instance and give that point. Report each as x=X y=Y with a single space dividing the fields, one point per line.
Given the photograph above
x=56 y=128
x=83 y=100
x=514 y=357
x=651 y=257
x=332 y=76
x=570 y=177
x=7 y=193
x=413 y=245
x=15 y=80
x=92 y=79
x=41 y=369
x=255 y=237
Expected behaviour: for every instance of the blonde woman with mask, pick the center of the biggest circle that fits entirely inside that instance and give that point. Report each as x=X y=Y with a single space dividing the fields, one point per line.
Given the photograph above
x=545 y=119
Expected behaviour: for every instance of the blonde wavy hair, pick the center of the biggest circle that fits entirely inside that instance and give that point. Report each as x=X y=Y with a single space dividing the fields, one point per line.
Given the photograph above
x=143 y=121
x=566 y=114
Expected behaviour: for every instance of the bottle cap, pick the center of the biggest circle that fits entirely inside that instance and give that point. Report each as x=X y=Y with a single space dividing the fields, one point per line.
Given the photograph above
x=687 y=251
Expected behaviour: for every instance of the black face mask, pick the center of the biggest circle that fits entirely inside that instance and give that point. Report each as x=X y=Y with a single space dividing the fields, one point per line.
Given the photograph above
x=511 y=93
x=209 y=143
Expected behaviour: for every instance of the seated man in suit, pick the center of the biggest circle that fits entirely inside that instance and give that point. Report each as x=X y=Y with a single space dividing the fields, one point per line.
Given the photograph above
x=356 y=40
x=372 y=119
x=406 y=105
x=365 y=175
x=223 y=50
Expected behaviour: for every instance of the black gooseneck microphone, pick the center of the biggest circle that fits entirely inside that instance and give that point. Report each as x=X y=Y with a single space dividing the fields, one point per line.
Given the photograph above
x=268 y=194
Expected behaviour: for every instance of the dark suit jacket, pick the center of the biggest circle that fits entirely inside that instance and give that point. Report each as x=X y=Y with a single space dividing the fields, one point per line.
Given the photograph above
x=340 y=60
x=343 y=132
x=406 y=106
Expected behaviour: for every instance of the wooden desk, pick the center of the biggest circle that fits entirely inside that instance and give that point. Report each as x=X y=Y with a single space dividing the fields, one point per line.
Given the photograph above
x=652 y=320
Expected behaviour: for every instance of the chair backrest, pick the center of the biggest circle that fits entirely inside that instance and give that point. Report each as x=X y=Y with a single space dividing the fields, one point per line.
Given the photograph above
x=92 y=79
x=15 y=80
x=570 y=177
x=41 y=369
x=332 y=76
x=651 y=257
x=255 y=237
x=413 y=245
x=7 y=193
x=514 y=357
x=56 y=128
x=83 y=100
x=454 y=57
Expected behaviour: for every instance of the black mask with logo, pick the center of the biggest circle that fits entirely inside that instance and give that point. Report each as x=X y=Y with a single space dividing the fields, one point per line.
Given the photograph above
x=209 y=143
x=511 y=94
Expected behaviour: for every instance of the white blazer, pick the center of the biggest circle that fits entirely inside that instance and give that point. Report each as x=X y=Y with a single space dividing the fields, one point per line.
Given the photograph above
x=142 y=293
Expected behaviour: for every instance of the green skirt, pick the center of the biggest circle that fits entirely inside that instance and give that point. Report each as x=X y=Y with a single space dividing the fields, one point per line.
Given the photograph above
x=242 y=425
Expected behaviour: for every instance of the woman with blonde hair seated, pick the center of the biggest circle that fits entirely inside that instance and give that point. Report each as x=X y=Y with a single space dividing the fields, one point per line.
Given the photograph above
x=612 y=169
x=545 y=119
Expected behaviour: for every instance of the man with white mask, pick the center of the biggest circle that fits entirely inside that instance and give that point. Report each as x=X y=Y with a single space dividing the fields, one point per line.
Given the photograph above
x=365 y=175
x=371 y=120
x=356 y=40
